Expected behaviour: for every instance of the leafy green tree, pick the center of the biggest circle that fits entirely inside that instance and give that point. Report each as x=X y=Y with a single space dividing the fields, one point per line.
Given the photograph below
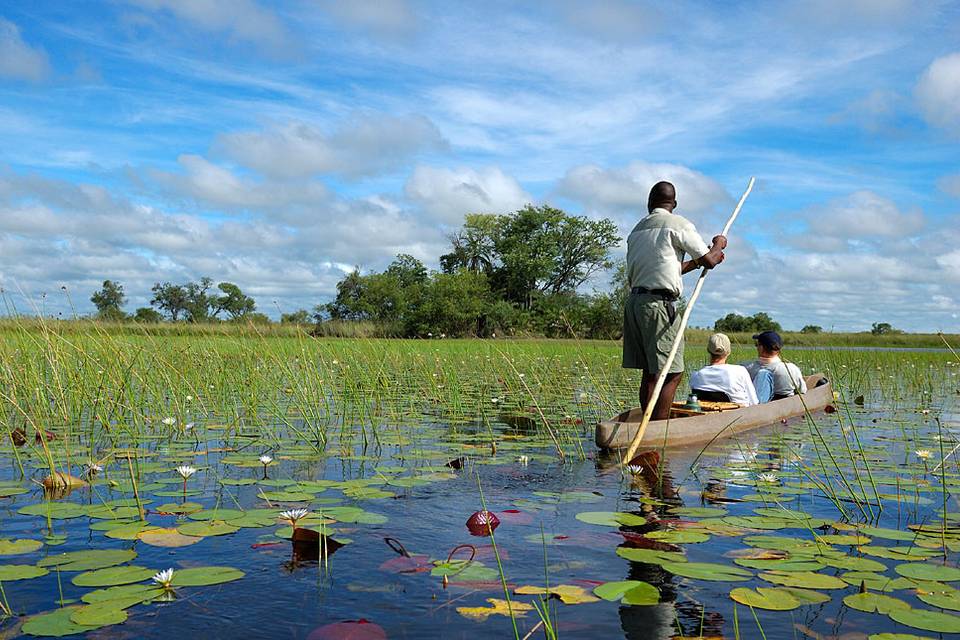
x=199 y=304
x=883 y=328
x=300 y=316
x=147 y=315
x=171 y=299
x=109 y=301
x=811 y=328
x=348 y=303
x=736 y=323
x=474 y=247
x=451 y=303
x=407 y=270
x=233 y=301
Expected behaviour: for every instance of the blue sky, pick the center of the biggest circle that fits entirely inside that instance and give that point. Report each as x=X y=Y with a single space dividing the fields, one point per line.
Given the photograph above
x=276 y=145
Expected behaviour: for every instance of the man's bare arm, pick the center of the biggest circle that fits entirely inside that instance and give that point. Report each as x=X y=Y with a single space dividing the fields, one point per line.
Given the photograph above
x=710 y=259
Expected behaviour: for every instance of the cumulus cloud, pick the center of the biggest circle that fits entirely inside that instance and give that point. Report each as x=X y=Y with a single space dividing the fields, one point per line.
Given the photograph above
x=241 y=20
x=389 y=18
x=367 y=144
x=450 y=194
x=950 y=185
x=623 y=189
x=938 y=93
x=19 y=60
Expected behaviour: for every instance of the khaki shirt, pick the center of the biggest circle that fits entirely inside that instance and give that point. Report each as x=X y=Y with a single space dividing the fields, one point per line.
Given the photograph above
x=655 y=250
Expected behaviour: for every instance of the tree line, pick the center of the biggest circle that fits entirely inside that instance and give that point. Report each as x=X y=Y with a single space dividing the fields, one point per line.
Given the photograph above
x=519 y=273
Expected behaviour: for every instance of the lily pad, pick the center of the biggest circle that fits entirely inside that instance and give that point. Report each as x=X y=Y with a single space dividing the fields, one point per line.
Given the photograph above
x=770 y=598
x=169 y=538
x=650 y=556
x=803 y=579
x=112 y=576
x=54 y=624
x=611 y=518
x=204 y=576
x=497 y=607
x=125 y=593
x=567 y=593
x=928 y=571
x=18 y=547
x=708 y=571
x=633 y=592
x=54 y=510
x=11 y=572
x=678 y=536
x=927 y=620
x=88 y=560
x=874 y=602
x=203 y=529
x=99 y=615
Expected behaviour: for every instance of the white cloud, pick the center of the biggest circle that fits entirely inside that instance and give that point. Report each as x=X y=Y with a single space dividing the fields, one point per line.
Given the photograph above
x=950 y=185
x=390 y=18
x=626 y=188
x=18 y=59
x=611 y=20
x=449 y=194
x=859 y=219
x=242 y=20
x=938 y=93
x=368 y=144
x=950 y=263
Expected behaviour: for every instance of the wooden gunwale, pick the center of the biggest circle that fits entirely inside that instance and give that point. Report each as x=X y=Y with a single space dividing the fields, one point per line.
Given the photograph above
x=618 y=432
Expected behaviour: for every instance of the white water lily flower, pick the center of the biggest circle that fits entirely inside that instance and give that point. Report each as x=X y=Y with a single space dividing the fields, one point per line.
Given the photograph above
x=923 y=454
x=164 y=578
x=494 y=400
x=185 y=471
x=767 y=477
x=265 y=460
x=294 y=515
x=524 y=460
x=93 y=467
x=635 y=469
x=169 y=421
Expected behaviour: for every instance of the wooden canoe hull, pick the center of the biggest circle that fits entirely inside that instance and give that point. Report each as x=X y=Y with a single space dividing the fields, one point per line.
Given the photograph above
x=618 y=432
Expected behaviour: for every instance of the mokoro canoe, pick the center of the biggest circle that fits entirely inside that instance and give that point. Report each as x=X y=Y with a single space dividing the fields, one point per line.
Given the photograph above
x=618 y=432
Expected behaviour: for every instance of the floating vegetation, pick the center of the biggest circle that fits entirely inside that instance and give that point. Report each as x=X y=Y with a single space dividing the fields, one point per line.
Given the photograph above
x=154 y=484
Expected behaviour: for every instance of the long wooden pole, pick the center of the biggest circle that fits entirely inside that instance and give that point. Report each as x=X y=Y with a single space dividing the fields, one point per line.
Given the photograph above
x=652 y=401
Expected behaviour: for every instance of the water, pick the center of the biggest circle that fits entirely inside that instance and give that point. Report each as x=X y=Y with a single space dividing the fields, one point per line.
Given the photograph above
x=818 y=466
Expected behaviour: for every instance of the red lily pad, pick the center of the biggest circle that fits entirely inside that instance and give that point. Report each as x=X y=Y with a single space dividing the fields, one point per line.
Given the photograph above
x=349 y=630
x=416 y=563
x=515 y=516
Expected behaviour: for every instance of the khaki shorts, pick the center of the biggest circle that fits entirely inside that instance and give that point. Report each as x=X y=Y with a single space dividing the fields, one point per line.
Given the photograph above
x=648 y=334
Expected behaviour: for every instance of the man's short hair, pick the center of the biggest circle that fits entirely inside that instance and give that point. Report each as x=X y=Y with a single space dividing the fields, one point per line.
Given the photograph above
x=660 y=194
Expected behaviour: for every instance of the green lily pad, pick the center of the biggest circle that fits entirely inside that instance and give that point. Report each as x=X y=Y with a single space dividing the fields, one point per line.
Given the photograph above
x=946 y=599
x=54 y=624
x=905 y=554
x=112 y=576
x=217 y=514
x=897 y=636
x=202 y=529
x=124 y=593
x=54 y=510
x=785 y=564
x=611 y=518
x=874 y=602
x=629 y=592
x=803 y=579
x=205 y=576
x=698 y=512
x=18 y=547
x=88 y=560
x=708 y=571
x=285 y=496
x=876 y=581
x=678 y=536
x=11 y=572
x=649 y=556
x=99 y=615
x=852 y=564
x=765 y=598
x=844 y=540
x=106 y=512
x=927 y=620
x=130 y=531
x=888 y=534
x=928 y=571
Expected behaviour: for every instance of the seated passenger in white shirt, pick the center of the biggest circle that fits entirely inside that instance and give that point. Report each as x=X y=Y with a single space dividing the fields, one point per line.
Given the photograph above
x=720 y=377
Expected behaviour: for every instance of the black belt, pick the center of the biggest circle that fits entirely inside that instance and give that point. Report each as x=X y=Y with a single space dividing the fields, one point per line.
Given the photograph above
x=667 y=296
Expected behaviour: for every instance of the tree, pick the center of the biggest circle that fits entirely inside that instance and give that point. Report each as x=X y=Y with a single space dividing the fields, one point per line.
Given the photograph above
x=407 y=270
x=474 y=246
x=811 y=328
x=109 y=300
x=199 y=303
x=300 y=316
x=147 y=315
x=233 y=301
x=736 y=323
x=883 y=328
x=170 y=298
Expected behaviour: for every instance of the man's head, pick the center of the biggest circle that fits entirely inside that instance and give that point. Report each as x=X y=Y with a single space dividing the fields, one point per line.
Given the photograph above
x=663 y=195
x=768 y=343
x=718 y=346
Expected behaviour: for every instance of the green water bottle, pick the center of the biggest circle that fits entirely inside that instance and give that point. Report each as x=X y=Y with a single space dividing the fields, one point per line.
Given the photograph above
x=693 y=403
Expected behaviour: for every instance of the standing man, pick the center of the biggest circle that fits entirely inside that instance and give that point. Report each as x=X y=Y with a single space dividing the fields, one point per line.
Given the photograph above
x=655 y=251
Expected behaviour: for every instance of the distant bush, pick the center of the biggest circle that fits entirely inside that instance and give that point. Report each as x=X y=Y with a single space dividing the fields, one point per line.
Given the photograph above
x=883 y=328
x=736 y=323
x=811 y=328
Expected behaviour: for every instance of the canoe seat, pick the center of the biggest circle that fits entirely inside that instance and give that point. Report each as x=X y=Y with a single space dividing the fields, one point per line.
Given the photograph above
x=713 y=396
